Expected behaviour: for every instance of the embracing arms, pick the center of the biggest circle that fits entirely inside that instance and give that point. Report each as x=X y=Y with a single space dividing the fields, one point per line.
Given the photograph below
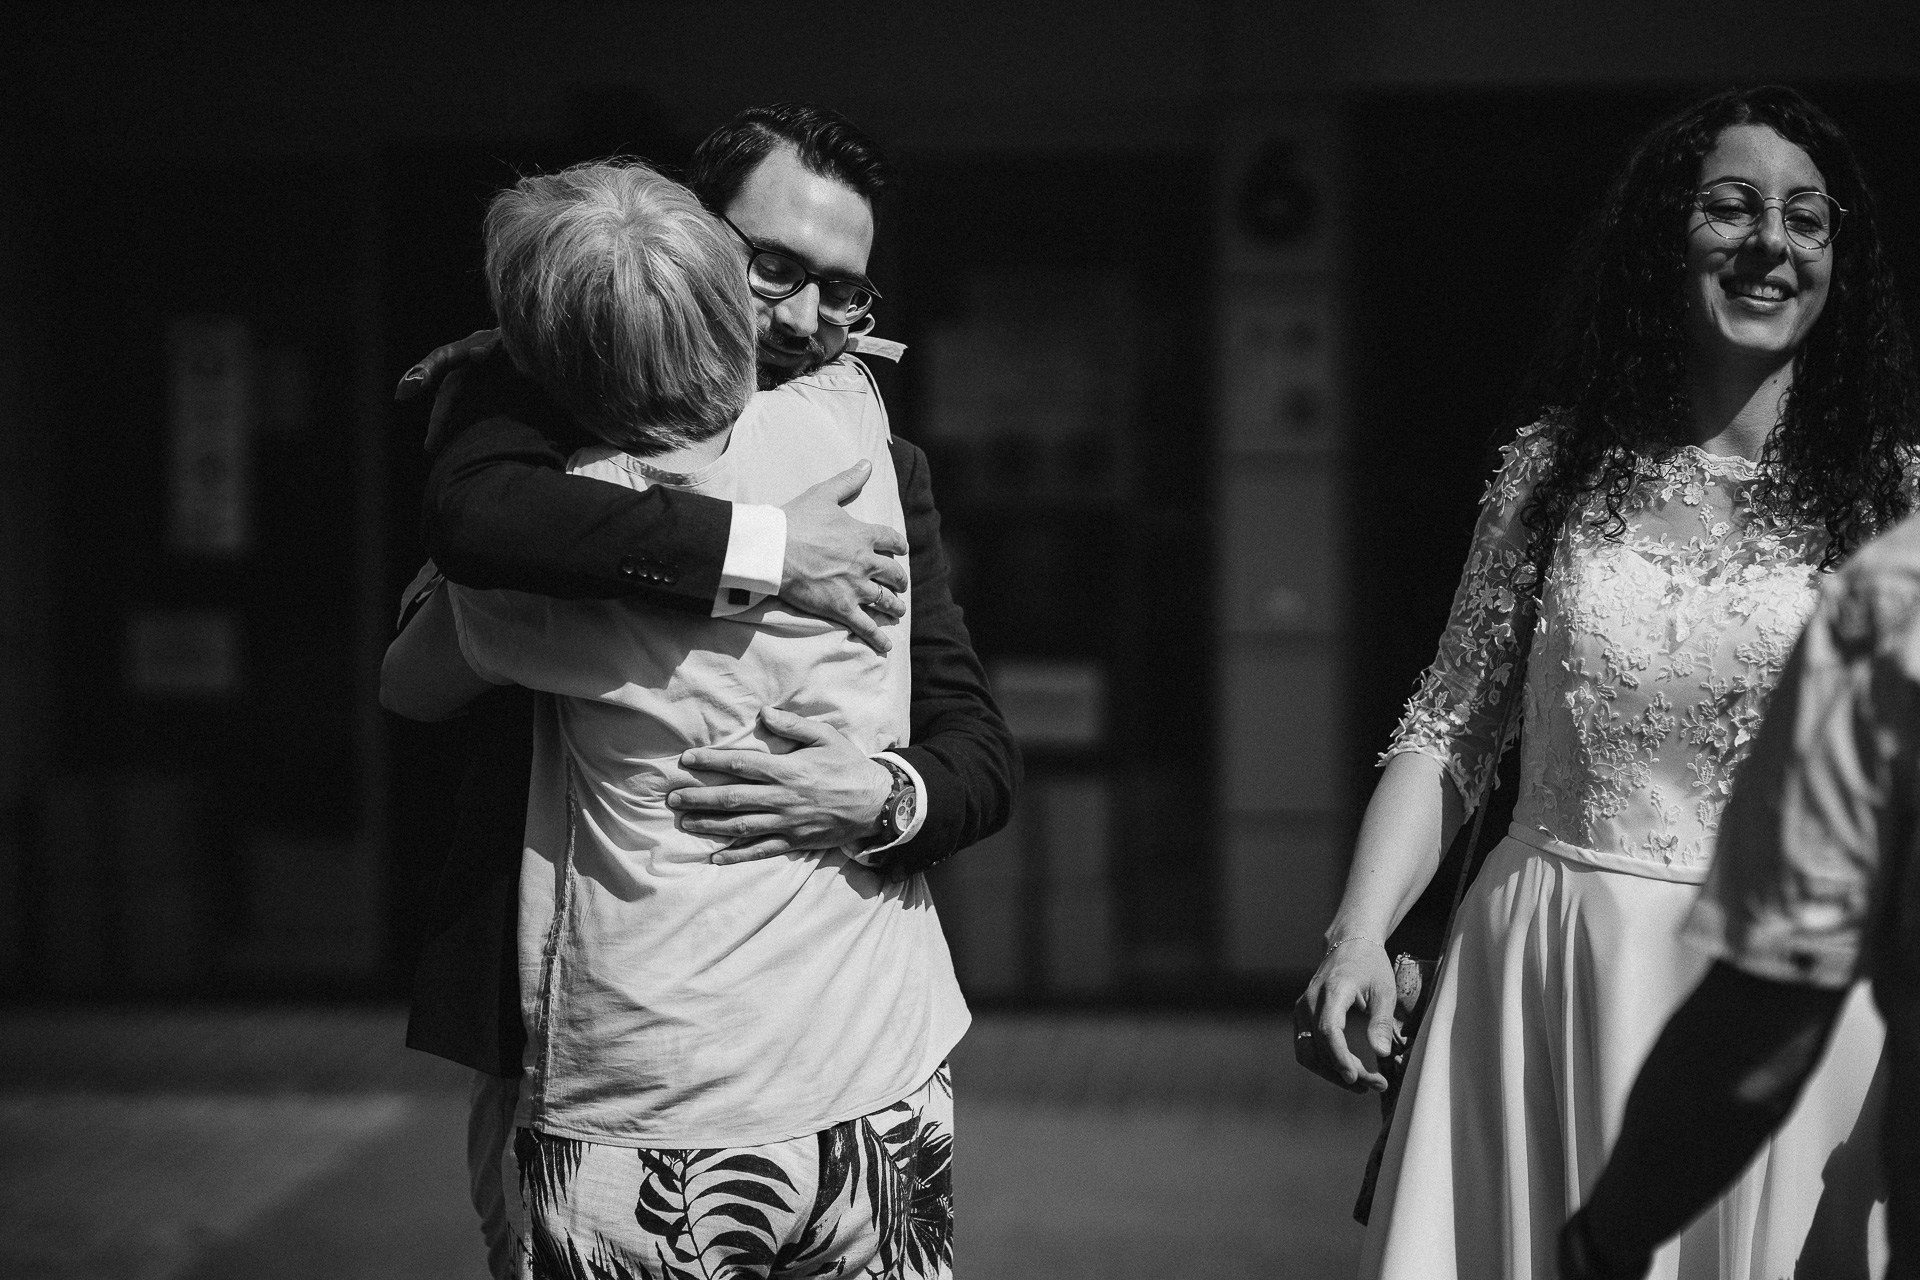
x=960 y=747
x=500 y=511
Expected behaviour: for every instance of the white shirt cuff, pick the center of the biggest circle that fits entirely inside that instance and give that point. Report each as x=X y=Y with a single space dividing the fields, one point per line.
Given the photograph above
x=756 y=558
x=868 y=857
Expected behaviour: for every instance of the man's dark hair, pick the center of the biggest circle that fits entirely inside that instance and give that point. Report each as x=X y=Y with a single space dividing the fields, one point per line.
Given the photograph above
x=826 y=142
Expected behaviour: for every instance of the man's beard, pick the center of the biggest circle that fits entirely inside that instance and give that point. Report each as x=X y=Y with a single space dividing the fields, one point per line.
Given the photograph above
x=769 y=374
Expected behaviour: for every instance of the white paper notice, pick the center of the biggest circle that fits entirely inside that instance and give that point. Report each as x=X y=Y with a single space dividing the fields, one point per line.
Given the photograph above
x=210 y=376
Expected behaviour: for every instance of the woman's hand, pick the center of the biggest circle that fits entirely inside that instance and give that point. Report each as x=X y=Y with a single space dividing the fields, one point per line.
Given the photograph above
x=1355 y=977
x=1412 y=816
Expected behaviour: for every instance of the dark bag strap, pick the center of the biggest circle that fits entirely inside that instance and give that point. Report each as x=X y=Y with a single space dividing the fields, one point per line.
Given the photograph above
x=1468 y=863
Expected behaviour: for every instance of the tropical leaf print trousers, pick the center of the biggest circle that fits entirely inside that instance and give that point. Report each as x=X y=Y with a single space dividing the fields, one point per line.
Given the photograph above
x=871 y=1197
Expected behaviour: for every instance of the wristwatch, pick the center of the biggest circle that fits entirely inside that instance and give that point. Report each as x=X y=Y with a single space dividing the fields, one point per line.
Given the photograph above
x=896 y=814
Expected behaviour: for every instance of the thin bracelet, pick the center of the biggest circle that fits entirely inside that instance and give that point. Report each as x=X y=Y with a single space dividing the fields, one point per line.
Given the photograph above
x=1356 y=937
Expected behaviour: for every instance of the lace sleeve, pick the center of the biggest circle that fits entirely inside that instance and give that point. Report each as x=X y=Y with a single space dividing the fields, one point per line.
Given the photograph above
x=1458 y=707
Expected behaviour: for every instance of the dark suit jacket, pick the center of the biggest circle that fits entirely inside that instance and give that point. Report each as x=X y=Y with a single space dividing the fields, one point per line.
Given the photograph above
x=501 y=512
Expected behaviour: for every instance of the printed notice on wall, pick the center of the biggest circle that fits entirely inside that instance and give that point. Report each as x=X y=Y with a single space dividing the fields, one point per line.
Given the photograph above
x=1050 y=703
x=1030 y=395
x=210 y=386
x=1278 y=391
x=183 y=652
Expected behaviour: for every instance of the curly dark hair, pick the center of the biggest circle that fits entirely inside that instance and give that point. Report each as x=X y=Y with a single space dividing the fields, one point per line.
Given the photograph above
x=1612 y=376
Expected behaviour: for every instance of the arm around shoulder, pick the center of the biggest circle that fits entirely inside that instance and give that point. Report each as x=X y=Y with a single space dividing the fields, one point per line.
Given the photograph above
x=500 y=511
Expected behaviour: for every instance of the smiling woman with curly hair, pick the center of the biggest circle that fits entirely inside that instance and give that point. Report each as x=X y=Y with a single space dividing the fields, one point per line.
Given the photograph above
x=1616 y=376
x=1725 y=408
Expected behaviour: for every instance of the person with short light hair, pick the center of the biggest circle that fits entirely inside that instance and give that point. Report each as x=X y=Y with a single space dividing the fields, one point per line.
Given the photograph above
x=622 y=297
x=730 y=1066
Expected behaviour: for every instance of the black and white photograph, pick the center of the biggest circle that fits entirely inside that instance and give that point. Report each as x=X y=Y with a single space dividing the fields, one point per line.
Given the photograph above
x=1203 y=640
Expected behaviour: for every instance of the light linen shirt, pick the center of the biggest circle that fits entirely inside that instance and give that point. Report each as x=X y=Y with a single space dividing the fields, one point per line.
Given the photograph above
x=671 y=1002
x=757 y=538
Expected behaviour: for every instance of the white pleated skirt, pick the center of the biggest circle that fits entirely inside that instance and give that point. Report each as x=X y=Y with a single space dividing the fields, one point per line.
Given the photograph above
x=1559 y=978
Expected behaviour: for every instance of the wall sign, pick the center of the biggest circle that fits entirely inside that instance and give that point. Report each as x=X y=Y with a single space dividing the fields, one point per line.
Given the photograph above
x=210 y=384
x=183 y=653
x=1051 y=703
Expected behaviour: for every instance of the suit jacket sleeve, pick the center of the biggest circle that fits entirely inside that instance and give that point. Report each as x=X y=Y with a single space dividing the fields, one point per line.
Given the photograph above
x=501 y=512
x=960 y=746
x=466 y=982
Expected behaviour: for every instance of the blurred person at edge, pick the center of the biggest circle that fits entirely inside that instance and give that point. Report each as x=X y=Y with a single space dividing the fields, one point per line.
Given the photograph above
x=732 y=1065
x=1816 y=883
x=1724 y=411
x=500 y=511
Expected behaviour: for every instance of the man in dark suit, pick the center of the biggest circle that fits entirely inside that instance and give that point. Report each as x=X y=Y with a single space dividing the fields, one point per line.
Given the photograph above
x=797 y=184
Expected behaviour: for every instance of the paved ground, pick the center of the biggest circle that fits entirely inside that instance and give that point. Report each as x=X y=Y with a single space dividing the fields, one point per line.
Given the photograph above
x=226 y=1144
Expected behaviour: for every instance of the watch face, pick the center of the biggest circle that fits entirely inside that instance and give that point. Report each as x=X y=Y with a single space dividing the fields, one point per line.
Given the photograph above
x=903 y=812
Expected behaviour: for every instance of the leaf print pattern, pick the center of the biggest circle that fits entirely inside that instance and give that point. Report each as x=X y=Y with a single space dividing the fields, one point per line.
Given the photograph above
x=1653 y=660
x=709 y=1211
x=880 y=1204
x=548 y=1166
x=909 y=1187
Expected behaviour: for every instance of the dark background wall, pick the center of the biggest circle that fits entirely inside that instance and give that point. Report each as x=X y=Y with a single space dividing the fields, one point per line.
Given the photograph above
x=319 y=171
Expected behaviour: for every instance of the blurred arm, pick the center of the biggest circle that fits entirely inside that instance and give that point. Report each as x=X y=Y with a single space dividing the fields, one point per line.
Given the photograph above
x=1816 y=807
x=1722 y=1077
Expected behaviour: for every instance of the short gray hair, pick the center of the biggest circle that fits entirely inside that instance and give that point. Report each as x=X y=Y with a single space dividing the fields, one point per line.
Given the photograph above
x=625 y=301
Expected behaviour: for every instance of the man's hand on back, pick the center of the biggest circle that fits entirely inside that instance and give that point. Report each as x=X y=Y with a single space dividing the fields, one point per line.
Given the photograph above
x=823 y=794
x=840 y=568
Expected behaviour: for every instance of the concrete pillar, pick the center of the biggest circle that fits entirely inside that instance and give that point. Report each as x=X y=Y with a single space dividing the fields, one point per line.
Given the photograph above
x=1278 y=516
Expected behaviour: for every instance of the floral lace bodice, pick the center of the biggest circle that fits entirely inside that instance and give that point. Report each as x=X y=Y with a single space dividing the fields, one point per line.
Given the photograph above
x=1651 y=663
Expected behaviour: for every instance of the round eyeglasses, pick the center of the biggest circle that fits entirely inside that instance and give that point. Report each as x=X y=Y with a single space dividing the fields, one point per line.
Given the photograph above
x=1734 y=209
x=776 y=277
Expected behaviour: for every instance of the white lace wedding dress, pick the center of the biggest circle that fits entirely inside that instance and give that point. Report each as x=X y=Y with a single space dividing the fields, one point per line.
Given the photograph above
x=1649 y=670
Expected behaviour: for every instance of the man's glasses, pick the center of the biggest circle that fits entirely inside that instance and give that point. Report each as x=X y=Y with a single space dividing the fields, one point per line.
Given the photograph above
x=776 y=277
x=1734 y=209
